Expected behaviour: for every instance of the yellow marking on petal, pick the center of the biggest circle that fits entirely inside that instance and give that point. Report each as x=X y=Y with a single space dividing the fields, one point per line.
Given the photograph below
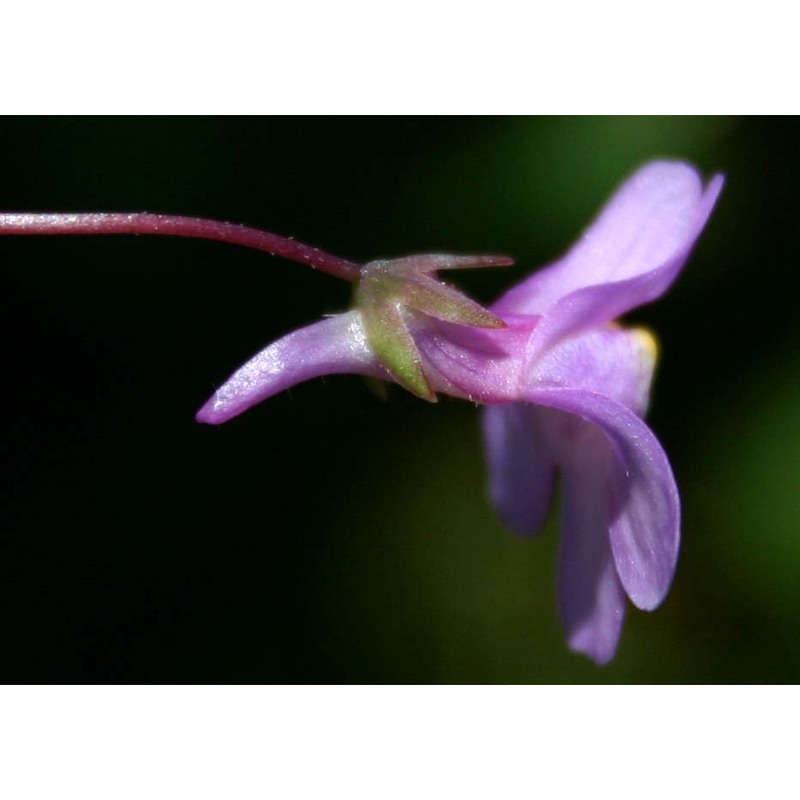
x=648 y=342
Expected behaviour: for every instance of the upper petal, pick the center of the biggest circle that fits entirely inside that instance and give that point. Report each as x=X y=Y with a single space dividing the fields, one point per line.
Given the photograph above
x=645 y=515
x=336 y=344
x=628 y=256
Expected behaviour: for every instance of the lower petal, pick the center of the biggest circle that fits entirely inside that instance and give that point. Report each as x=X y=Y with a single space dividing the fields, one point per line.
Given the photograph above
x=591 y=598
x=645 y=515
x=520 y=467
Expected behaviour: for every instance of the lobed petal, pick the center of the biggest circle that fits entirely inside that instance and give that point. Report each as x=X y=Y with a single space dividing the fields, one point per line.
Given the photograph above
x=336 y=344
x=645 y=515
x=520 y=466
x=591 y=598
x=629 y=256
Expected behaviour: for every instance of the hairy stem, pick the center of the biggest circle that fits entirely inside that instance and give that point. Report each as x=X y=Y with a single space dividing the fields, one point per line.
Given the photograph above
x=166 y=225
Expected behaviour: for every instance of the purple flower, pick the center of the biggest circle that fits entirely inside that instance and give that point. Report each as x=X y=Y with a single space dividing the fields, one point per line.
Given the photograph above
x=565 y=387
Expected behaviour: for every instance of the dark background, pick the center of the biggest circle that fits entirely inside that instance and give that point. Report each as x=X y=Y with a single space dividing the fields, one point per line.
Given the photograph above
x=326 y=535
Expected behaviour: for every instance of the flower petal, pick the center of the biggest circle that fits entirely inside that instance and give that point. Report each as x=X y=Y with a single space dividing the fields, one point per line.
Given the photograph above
x=645 y=518
x=520 y=467
x=591 y=598
x=628 y=256
x=480 y=364
x=615 y=362
x=336 y=344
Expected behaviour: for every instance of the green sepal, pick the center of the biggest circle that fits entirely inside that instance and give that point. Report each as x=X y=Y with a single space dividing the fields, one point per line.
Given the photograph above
x=387 y=332
x=390 y=292
x=440 y=301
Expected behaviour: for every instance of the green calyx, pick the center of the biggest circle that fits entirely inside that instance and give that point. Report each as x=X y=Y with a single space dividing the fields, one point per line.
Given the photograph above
x=389 y=295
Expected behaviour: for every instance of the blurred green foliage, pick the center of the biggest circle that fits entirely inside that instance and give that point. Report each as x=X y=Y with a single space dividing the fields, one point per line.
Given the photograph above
x=327 y=536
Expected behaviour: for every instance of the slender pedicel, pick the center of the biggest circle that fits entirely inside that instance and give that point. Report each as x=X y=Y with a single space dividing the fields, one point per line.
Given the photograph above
x=167 y=225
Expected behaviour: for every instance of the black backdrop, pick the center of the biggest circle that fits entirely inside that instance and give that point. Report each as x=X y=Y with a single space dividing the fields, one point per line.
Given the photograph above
x=311 y=540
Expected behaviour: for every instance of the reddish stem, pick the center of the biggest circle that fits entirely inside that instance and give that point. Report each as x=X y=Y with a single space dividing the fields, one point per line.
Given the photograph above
x=166 y=225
